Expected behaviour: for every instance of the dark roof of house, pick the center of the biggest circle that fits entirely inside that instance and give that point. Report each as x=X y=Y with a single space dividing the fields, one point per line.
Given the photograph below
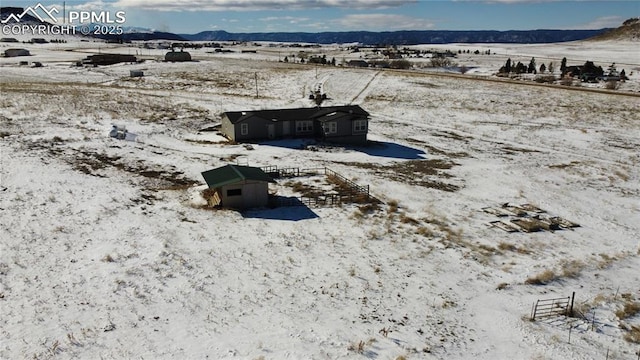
x=230 y=174
x=295 y=114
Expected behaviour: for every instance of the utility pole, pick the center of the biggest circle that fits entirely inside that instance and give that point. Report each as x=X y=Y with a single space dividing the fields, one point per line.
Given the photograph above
x=256 y=76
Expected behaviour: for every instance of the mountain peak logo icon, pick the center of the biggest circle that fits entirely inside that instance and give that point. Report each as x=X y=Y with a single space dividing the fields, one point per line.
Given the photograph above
x=35 y=11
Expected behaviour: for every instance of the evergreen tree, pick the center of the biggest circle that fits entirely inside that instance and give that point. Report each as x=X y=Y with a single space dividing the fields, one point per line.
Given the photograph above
x=563 y=66
x=543 y=68
x=551 y=67
x=532 y=66
x=623 y=75
x=507 y=66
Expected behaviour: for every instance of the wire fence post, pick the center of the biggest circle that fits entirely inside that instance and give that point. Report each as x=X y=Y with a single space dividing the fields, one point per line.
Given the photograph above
x=573 y=295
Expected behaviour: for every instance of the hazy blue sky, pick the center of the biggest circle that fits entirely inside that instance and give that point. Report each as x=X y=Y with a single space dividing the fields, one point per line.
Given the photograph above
x=191 y=16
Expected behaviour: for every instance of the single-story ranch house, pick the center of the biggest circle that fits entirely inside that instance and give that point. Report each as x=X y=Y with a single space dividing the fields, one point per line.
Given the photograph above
x=238 y=187
x=339 y=124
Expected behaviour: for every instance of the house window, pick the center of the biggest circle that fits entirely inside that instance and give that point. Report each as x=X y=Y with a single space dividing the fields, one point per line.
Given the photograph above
x=244 y=129
x=331 y=127
x=304 y=126
x=234 y=192
x=359 y=125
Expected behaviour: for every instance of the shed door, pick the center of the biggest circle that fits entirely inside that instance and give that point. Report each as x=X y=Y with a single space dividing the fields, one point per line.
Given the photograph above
x=286 y=128
x=271 y=131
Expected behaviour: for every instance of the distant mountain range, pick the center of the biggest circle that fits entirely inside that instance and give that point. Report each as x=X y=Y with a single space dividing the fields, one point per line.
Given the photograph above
x=362 y=37
x=405 y=37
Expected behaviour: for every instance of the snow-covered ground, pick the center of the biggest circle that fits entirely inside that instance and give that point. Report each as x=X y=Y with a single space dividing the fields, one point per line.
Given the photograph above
x=106 y=250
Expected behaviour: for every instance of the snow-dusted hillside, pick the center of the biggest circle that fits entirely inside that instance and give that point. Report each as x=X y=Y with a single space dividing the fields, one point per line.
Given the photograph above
x=106 y=250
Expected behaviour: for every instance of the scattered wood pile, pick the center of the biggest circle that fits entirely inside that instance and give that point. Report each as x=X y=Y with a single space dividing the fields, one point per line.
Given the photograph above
x=526 y=218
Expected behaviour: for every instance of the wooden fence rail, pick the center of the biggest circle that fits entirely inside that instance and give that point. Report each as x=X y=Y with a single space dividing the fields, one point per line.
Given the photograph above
x=352 y=192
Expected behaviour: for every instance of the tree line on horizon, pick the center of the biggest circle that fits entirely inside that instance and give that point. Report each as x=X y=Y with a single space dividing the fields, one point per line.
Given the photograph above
x=587 y=72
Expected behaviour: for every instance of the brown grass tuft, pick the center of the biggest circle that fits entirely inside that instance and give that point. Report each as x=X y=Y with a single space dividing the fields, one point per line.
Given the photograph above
x=393 y=206
x=633 y=336
x=543 y=278
x=572 y=269
x=630 y=309
x=408 y=220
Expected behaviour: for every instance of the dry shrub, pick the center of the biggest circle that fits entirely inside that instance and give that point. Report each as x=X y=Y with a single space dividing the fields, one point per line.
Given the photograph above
x=369 y=208
x=357 y=214
x=487 y=250
x=408 y=220
x=357 y=347
x=298 y=186
x=424 y=231
x=611 y=85
x=623 y=176
x=630 y=309
x=393 y=206
x=572 y=269
x=549 y=79
x=606 y=261
x=566 y=81
x=543 y=278
x=507 y=247
x=633 y=336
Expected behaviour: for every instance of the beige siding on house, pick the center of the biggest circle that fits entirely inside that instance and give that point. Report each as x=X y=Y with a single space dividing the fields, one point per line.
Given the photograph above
x=228 y=129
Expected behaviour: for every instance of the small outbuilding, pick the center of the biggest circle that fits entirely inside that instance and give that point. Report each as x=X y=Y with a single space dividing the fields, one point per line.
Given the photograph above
x=177 y=56
x=16 y=52
x=237 y=187
x=136 y=73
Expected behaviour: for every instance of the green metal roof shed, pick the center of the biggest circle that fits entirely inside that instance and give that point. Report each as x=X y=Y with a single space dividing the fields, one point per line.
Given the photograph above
x=230 y=174
x=238 y=187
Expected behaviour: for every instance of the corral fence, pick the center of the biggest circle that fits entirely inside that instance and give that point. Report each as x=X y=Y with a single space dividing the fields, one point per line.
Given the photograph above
x=547 y=308
x=348 y=192
x=276 y=172
x=310 y=201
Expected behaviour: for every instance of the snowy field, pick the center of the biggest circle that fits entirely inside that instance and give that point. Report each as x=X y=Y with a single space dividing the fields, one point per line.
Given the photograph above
x=106 y=249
